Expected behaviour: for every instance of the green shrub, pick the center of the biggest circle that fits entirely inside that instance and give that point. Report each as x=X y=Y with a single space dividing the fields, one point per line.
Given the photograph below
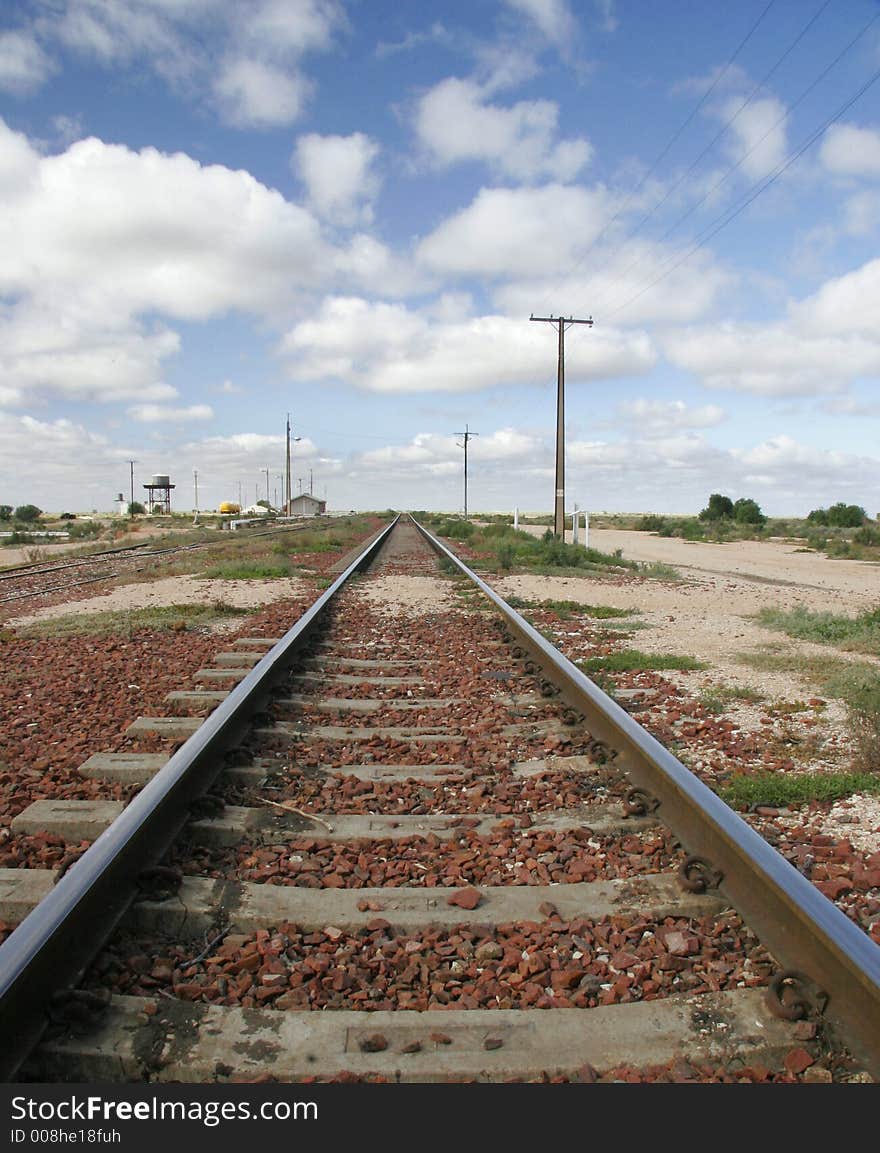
x=28 y=513
x=746 y=511
x=719 y=506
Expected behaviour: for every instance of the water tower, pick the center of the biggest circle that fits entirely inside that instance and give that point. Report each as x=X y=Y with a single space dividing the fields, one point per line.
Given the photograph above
x=159 y=494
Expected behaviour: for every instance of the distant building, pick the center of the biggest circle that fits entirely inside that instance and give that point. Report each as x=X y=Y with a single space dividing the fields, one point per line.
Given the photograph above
x=307 y=505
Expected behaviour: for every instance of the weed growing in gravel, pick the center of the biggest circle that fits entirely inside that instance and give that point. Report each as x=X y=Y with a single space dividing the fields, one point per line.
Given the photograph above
x=566 y=609
x=659 y=570
x=863 y=708
x=719 y=698
x=783 y=789
x=247 y=570
x=832 y=676
x=859 y=634
x=126 y=621
x=631 y=660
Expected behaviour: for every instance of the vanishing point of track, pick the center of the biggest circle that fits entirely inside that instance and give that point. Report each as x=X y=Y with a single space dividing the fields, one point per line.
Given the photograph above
x=436 y=830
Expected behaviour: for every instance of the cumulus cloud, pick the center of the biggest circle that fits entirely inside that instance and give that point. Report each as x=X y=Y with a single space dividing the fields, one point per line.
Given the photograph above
x=247 y=59
x=661 y=416
x=772 y=360
x=456 y=122
x=845 y=304
x=24 y=66
x=757 y=137
x=258 y=94
x=848 y=150
x=553 y=18
x=516 y=231
x=621 y=291
x=164 y=414
x=391 y=348
x=25 y=440
x=99 y=235
x=339 y=176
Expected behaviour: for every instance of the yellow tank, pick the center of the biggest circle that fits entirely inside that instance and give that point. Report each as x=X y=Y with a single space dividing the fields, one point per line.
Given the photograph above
x=230 y=506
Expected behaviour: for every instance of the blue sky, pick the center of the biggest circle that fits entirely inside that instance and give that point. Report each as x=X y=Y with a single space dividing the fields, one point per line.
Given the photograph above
x=212 y=214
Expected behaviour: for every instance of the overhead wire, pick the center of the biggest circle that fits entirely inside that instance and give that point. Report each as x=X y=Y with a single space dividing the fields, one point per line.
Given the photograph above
x=665 y=151
x=739 y=163
x=757 y=190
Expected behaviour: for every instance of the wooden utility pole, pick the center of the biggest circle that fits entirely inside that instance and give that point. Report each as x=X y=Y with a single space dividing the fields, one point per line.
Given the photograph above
x=287 y=472
x=562 y=323
x=467 y=436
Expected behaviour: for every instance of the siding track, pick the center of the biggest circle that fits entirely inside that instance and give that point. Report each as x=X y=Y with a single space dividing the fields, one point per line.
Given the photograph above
x=421 y=822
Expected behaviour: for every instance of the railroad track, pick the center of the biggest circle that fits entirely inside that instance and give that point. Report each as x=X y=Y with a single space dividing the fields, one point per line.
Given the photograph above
x=39 y=579
x=434 y=828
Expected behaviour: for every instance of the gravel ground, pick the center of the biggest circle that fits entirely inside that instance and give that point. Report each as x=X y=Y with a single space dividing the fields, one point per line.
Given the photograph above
x=176 y=590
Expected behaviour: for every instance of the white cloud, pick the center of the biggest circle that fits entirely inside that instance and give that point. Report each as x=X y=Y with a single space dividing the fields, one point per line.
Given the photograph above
x=553 y=17
x=338 y=174
x=455 y=122
x=661 y=416
x=256 y=94
x=35 y=464
x=758 y=140
x=772 y=360
x=246 y=57
x=845 y=304
x=618 y=293
x=848 y=150
x=516 y=231
x=98 y=235
x=390 y=348
x=24 y=66
x=162 y=414
x=47 y=351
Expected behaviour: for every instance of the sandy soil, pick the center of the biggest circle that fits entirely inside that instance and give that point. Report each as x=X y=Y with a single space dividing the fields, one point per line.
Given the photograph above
x=706 y=615
x=177 y=590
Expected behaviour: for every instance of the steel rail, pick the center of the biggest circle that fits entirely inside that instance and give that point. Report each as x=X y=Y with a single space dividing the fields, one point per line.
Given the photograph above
x=55 y=943
x=802 y=928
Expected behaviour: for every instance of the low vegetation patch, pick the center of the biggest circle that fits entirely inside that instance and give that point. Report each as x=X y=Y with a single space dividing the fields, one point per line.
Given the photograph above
x=247 y=570
x=565 y=609
x=632 y=660
x=781 y=790
x=854 y=634
x=127 y=621
x=719 y=698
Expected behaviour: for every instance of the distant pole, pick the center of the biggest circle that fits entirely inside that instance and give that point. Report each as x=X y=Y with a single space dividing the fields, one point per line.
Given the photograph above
x=311 y=483
x=196 y=495
x=266 y=471
x=561 y=323
x=299 y=481
x=239 y=496
x=586 y=529
x=287 y=470
x=467 y=436
x=574 y=525
x=516 y=517
x=131 y=463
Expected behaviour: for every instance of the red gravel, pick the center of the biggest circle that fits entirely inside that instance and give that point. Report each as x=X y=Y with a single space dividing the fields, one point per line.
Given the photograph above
x=507 y=857
x=550 y=965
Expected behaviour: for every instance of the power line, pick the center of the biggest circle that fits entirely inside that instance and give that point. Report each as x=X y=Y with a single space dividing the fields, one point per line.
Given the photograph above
x=739 y=163
x=754 y=193
x=708 y=148
x=675 y=136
